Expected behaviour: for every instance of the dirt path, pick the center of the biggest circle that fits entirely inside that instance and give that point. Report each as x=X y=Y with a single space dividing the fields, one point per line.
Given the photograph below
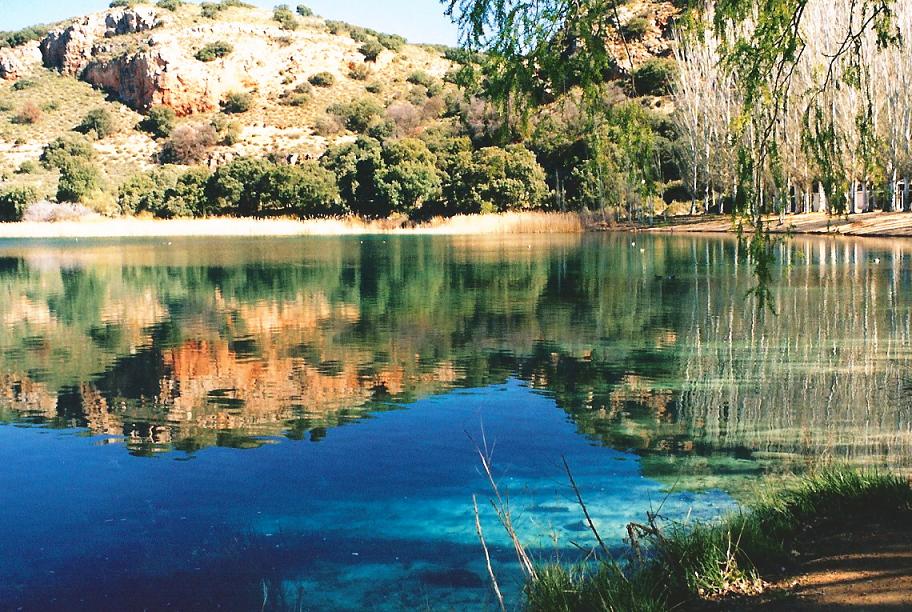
x=866 y=224
x=869 y=570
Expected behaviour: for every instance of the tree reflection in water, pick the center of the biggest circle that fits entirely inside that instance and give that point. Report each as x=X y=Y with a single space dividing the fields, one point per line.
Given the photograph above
x=646 y=341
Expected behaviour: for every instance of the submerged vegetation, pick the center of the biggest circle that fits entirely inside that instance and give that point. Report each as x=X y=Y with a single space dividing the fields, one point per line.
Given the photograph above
x=670 y=566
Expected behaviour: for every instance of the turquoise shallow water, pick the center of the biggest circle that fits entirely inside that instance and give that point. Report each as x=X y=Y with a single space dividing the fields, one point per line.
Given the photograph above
x=212 y=424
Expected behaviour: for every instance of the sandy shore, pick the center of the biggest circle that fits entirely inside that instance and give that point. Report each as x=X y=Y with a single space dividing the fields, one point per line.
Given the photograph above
x=507 y=223
x=881 y=224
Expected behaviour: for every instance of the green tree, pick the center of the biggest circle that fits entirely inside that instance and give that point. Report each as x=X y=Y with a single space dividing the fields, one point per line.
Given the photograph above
x=78 y=178
x=304 y=190
x=494 y=179
x=409 y=177
x=236 y=188
x=355 y=166
x=187 y=198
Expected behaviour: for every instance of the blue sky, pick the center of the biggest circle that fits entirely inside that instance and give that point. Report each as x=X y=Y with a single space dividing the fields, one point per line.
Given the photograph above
x=417 y=20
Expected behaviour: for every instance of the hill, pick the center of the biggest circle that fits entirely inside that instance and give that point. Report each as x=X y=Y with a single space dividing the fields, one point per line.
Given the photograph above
x=192 y=85
x=129 y=60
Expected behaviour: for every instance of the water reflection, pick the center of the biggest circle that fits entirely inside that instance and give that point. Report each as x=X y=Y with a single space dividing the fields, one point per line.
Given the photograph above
x=646 y=342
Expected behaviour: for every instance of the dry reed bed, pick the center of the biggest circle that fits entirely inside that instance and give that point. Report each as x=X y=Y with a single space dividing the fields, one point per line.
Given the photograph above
x=493 y=224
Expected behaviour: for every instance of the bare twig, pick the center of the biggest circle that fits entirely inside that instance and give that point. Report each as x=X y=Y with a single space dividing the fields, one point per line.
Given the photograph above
x=582 y=504
x=501 y=505
x=484 y=546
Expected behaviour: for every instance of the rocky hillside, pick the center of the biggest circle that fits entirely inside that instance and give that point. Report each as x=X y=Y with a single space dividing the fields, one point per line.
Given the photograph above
x=269 y=83
x=130 y=60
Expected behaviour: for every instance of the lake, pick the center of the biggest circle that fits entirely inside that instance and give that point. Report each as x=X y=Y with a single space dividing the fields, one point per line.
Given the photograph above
x=294 y=423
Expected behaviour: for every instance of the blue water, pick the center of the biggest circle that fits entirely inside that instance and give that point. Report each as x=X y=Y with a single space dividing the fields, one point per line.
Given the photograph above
x=377 y=515
x=293 y=423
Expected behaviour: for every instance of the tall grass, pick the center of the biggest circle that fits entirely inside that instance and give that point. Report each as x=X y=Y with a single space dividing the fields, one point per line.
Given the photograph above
x=672 y=566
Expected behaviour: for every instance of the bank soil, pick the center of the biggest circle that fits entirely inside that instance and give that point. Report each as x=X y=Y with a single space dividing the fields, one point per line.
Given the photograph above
x=886 y=224
x=861 y=569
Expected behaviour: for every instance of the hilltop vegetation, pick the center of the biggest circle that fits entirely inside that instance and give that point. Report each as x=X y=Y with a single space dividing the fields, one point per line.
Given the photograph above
x=280 y=112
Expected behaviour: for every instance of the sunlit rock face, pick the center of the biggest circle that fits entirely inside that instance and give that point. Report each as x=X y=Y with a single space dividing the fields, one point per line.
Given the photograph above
x=74 y=47
x=14 y=62
x=161 y=76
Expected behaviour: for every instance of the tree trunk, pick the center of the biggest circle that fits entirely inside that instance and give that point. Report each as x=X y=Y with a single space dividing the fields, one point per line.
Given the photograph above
x=905 y=203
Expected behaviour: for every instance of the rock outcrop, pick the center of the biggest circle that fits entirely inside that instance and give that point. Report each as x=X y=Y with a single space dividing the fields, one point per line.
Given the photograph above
x=10 y=66
x=15 y=62
x=74 y=47
x=157 y=74
x=161 y=76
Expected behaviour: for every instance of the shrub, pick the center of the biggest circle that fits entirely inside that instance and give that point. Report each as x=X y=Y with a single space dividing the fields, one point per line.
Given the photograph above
x=305 y=11
x=393 y=42
x=23 y=36
x=635 y=28
x=237 y=102
x=358 y=72
x=374 y=87
x=23 y=84
x=14 y=201
x=286 y=19
x=169 y=5
x=58 y=153
x=122 y=3
x=50 y=107
x=653 y=77
x=214 y=51
x=28 y=114
x=358 y=114
x=382 y=130
x=335 y=27
x=78 y=178
x=6 y=106
x=322 y=79
x=189 y=144
x=404 y=116
x=358 y=34
x=229 y=132
x=299 y=96
x=99 y=121
x=327 y=125
x=159 y=121
x=27 y=167
x=209 y=10
x=419 y=77
x=371 y=50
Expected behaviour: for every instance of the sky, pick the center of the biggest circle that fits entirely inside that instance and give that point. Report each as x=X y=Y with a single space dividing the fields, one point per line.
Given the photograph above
x=421 y=21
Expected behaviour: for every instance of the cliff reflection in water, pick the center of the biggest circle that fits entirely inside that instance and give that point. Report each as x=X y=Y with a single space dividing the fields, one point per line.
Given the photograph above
x=648 y=343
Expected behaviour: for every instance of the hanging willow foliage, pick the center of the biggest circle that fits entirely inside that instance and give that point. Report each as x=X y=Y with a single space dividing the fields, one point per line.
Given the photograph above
x=537 y=50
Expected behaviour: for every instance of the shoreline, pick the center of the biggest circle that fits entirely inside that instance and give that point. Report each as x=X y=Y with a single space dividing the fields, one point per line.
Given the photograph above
x=862 y=225
x=873 y=224
x=489 y=224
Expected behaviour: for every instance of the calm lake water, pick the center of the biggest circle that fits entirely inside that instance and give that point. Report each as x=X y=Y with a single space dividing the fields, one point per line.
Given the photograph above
x=292 y=423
